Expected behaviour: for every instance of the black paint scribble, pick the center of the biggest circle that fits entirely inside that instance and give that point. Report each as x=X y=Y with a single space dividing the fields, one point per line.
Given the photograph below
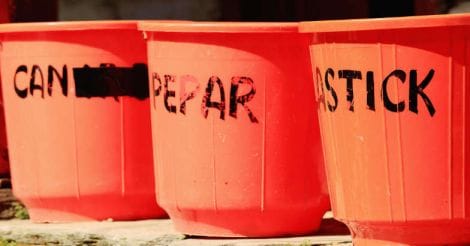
x=108 y=80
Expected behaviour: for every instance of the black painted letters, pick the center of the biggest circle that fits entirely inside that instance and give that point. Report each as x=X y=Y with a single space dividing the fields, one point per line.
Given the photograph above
x=349 y=75
x=167 y=93
x=235 y=99
x=51 y=71
x=415 y=89
x=36 y=81
x=23 y=93
x=187 y=95
x=388 y=104
x=330 y=72
x=206 y=100
x=32 y=82
x=214 y=96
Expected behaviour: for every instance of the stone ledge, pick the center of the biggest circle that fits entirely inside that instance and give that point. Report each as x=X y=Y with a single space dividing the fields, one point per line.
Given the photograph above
x=147 y=232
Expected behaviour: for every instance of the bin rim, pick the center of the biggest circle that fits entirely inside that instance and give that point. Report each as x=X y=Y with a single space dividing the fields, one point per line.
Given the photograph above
x=68 y=26
x=219 y=27
x=371 y=24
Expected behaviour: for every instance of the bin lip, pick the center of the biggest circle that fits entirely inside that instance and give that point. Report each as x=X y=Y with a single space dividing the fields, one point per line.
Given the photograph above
x=219 y=27
x=67 y=26
x=385 y=23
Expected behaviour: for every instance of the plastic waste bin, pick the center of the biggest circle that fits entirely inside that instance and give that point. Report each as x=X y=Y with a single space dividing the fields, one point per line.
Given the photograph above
x=392 y=102
x=235 y=132
x=78 y=120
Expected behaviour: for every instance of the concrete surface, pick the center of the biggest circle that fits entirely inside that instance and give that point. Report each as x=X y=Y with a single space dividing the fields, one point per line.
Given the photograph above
x=146 y=232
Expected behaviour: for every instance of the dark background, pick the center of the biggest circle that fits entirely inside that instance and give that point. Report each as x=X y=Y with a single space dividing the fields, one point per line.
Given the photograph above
x=228 y=10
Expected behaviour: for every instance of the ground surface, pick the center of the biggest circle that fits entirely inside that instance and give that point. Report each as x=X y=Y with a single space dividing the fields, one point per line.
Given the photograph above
x=144 y=232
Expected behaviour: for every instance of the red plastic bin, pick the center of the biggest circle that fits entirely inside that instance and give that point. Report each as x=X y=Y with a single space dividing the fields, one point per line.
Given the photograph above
x=234 y=128
x=78 y=120
x=392 y=99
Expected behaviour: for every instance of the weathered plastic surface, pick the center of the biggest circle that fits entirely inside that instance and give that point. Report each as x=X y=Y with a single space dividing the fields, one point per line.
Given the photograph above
x=392 y=100
x=234 y=129
x=78 y=120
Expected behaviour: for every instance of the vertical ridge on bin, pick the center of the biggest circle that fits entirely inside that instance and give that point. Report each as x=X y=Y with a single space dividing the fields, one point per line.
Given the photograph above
x=36 y=170
x=450 y=138
x=157 y=159
x=400 y=144
x=77 y=174
x=465 y=132
x=334 y=148
x=170 y=160
x=456 y=132
x=463 y=160
x=160 y=164
x=122 y=145
x=324 y=152
x=384 y=122
x=392 y=140
x=156 y=152
x=335 y=141
x=263 y=155
x=214 y=182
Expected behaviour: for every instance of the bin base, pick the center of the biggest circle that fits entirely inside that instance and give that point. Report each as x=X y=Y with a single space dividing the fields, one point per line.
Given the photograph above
x=247 y=223
x=442 y=232
x=85 y=208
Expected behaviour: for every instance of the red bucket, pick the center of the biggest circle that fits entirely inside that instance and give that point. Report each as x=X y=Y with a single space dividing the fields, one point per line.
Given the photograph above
x=235 y=134
x=392 y=101
x=78 y=120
